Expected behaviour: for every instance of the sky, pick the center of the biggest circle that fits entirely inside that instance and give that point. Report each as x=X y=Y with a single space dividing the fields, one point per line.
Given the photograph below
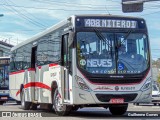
x=24 y=18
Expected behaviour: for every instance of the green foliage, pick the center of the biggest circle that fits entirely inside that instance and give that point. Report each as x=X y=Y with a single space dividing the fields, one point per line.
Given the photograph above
x=158 y=80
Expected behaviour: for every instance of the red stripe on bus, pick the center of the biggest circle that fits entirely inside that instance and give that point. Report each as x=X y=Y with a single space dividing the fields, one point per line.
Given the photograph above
x=51 y=65
x=31 y=69
x=12 y=73
x=39 y=67
x=18 y=92
x=35 y=84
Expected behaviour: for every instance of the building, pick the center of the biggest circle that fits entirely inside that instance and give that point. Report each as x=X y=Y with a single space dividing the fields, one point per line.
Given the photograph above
x=5 y=49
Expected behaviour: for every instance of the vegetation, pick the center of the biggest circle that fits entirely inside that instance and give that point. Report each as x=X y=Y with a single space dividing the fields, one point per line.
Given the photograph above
x=158 y=80
x=156 y=63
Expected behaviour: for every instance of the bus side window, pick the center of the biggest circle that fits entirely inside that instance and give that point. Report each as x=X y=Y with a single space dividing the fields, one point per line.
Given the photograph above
x=70 y=60
x=12 y=62
x=54 y=47
x=19 y=59
x=27 y=56
x=42 y=51
x=65 y=50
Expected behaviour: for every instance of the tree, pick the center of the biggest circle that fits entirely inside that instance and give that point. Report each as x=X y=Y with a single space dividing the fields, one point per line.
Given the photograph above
x=158 y=80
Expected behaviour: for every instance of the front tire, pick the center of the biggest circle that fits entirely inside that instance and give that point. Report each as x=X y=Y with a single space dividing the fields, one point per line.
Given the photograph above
x=24 y=104
x=118 y=109
x=61 y=110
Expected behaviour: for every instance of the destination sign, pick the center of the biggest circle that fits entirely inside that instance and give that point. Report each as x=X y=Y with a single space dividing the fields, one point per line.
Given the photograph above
x=110 y=23
x=4 y=62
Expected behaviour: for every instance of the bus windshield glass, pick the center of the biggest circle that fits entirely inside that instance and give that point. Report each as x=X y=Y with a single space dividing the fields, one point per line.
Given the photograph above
x=102 y=52
x=4 y=73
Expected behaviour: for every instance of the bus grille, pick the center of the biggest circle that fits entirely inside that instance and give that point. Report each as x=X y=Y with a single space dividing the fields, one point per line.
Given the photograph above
x=107 y=97
x=115 y=80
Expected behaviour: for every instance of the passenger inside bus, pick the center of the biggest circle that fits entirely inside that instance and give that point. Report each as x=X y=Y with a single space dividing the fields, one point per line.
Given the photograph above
x=122 y=50
x=130 y=56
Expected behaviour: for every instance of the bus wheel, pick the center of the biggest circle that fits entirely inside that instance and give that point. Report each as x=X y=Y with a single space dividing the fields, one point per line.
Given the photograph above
x=60 y=110
x=1 y=102
x=118 y=109
x=24 y=105
x=18 y=102
x=33 y=106
x=75 y=108
x=155 y=104
x=106 y=107
x=50 y=108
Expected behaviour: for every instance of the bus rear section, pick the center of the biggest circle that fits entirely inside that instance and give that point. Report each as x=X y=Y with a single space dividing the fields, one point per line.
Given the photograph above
x=83 y=61
x=4 y=79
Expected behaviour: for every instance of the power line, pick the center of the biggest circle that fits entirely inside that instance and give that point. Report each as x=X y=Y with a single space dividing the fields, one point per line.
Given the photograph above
x=107 y=9
x=58 y=9
x=25 y=17
x=36 y=19
x=70 y=3
x=150 y=13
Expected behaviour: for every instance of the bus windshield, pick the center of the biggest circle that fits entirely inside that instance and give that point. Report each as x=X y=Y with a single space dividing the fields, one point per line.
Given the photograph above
x=4 y=74
x=102 y=52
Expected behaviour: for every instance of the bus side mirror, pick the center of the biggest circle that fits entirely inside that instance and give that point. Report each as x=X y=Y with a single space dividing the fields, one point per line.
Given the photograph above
x=132 y=6
x=70 y=38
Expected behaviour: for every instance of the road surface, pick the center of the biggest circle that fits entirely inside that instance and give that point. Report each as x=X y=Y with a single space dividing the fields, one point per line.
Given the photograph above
x=144 y=111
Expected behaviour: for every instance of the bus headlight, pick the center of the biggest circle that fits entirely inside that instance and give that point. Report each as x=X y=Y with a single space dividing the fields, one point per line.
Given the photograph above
x=147 y=85
x=82 y=85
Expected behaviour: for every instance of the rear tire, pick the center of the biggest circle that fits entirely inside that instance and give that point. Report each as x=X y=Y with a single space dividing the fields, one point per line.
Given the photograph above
x=24 y=104
x=106 y=107
x=137 y=104
x=1 y=102
x=61 y=110
x=50 y=107
x=75 y=108
x=33 y=106
x=118 y=109
x=18 y=102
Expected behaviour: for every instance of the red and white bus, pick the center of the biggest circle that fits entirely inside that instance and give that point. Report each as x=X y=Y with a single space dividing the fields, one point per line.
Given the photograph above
x=85 y=60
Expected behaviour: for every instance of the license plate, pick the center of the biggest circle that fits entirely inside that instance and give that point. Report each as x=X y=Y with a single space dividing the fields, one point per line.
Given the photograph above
x=116 y=100
x=4 y=98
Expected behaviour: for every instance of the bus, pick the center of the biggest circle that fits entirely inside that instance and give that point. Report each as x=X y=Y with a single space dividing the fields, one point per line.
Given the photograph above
x=4 y=79
x=84 y=61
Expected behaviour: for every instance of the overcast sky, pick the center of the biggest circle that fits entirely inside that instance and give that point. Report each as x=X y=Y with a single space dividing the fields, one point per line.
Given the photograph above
x=24 y=18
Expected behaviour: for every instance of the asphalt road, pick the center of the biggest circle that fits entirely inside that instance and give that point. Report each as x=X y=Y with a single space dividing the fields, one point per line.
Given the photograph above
x=143 y=111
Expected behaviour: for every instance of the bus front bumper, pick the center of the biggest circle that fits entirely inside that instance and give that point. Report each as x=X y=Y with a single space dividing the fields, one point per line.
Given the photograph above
x=94 y=97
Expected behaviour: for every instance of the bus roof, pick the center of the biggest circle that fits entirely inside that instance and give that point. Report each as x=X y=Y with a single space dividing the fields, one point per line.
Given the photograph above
x=41 y=34
x=105 y=15
x=4 y=57
x=54 y=27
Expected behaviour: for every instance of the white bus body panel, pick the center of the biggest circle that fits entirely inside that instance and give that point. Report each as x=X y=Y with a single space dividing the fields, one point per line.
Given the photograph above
x=89 y=97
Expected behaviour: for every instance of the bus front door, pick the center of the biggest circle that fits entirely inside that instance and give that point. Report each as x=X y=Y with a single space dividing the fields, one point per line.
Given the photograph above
x=34 y=74
x=65 y=69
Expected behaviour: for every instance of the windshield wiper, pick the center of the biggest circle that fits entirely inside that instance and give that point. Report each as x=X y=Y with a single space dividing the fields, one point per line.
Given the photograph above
x=101 y=36
x=126 y=36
